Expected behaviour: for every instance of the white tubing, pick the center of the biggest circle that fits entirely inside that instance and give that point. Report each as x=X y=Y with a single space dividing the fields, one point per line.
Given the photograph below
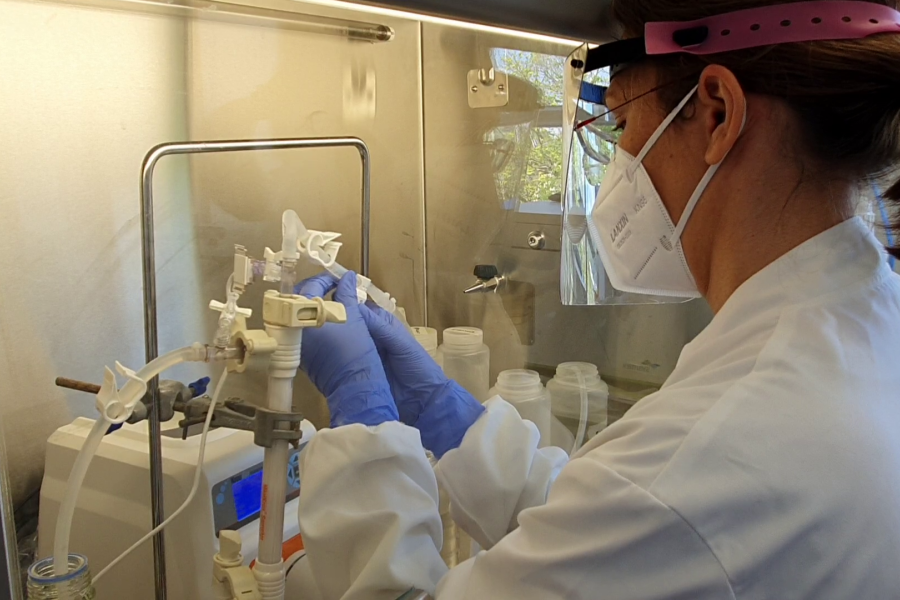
x=582 y=420
x=67 y=508
x=271 y=523
x=129 y=395
x=196 y=485
x=283 y=365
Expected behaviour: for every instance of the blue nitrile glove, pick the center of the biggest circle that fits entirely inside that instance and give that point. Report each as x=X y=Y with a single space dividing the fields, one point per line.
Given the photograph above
x=438 y=407
x=342 y=361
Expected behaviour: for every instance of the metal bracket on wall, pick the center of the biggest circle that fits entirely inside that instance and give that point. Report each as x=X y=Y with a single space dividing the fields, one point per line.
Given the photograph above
x=488 y=88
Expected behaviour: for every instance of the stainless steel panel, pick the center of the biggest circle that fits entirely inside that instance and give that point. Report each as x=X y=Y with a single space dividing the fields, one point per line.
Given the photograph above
x=471 y=220
x=578 y=19
x=250 y=82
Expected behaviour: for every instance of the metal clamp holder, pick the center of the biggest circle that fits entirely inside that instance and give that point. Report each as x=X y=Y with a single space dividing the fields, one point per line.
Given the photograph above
x=267 y=426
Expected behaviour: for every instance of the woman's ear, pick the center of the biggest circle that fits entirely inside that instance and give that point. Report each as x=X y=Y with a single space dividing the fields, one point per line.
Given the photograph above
x=723 y=105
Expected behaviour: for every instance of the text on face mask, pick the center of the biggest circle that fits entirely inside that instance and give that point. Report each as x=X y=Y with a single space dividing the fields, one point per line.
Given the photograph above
x=619 y=228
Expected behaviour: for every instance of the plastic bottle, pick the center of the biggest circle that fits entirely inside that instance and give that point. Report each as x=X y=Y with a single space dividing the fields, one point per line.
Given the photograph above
x=74 y=585
x=428 y=338
x=565 y=396
x=467 y=360
x=524 y=390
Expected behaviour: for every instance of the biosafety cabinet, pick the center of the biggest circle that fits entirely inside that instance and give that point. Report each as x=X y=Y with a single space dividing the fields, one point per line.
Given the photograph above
x=463 y=126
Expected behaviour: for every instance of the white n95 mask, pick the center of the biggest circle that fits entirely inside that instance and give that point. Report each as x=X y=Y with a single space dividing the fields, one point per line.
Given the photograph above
x=638 y=243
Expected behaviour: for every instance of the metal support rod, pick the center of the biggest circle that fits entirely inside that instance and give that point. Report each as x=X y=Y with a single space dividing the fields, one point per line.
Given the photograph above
x=13 y=586
x=237 y=11
x=151 y=341
x=78 y=386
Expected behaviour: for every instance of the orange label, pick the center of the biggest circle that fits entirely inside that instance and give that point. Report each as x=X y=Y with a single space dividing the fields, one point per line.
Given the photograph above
x=262 y=516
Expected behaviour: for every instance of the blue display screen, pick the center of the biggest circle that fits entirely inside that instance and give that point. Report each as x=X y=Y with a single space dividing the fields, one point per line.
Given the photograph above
x=248 y=495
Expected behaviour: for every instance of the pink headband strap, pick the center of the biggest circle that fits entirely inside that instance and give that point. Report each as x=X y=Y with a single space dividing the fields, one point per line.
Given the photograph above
x=779 y=24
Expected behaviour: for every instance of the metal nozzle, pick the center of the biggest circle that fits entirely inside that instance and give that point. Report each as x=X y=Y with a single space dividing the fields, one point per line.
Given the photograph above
x=484 y=286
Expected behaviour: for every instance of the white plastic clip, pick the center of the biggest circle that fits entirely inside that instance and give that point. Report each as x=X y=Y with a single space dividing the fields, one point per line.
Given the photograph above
x=108 y=402
x=320 y=247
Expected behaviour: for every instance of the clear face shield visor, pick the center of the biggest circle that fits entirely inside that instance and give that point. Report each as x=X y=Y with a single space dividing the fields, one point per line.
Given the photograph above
x=590 y=136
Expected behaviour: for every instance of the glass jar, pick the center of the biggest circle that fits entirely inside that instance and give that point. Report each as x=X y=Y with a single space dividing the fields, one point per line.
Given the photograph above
x=467 y=360
x=75 y=585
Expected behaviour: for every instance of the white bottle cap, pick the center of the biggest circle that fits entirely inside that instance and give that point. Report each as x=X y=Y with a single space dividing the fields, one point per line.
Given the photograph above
x=519 y=384
x=463 y=337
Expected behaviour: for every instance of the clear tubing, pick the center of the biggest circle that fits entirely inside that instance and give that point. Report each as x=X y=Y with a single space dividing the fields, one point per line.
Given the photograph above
x=194 y=487
x=294 y=229
x=291 y=230
x=130 y=394
x=378 y=296
x=288 y=276
x=583 y=418
x=228 y=315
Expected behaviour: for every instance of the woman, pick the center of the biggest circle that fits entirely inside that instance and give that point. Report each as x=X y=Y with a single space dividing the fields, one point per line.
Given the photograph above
x=768 y=465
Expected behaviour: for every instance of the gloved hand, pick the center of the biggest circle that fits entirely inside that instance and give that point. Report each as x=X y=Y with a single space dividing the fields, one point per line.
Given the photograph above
x=438 y=407
x=342 y=361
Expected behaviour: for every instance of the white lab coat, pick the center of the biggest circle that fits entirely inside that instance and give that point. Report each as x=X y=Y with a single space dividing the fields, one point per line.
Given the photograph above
x=767 y=467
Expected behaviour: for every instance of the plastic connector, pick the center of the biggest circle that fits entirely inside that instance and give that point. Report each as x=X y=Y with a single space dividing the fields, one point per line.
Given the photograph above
x=231 y=313
x=232 y=578
x=239 y=311
x=243 y=269
x=250 y=342
x=273 y=265
x=297 y=311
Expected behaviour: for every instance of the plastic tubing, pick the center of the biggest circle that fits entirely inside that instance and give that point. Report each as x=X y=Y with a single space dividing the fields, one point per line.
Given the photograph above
x=378 y=296
x=582 y=419
x=194 y=487
x=130 y=394
x=293 y=230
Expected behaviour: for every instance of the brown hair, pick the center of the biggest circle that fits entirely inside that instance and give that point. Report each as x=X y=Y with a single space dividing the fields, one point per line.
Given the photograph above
x=846 y=94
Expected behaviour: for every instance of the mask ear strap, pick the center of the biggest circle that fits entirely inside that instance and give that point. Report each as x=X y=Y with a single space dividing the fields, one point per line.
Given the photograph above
x=659 y=131
x=701 y=187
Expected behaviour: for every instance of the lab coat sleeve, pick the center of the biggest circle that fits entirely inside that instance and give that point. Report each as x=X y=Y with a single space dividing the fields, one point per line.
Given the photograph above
x=369 y=501
x=598 y=536
x=369 y=513
x=369 y=517
x=497 y=472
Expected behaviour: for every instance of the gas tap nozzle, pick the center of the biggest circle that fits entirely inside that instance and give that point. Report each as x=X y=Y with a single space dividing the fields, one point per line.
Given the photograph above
x=489 y=280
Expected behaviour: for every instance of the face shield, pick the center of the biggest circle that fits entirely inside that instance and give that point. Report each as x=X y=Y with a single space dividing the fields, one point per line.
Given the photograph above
x=589 y=138
x=589 y=130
